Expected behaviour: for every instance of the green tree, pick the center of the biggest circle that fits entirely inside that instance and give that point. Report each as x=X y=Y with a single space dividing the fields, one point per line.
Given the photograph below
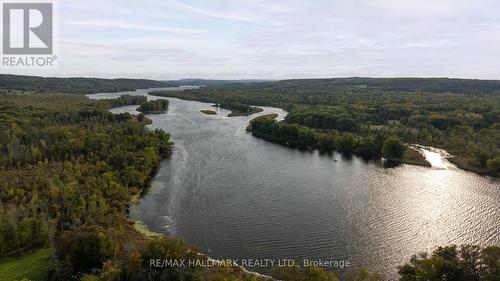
x=362 y=274
x=393 y=148
x=296 y=273
x=494 y=165
x=85 y=248
x=452 y=263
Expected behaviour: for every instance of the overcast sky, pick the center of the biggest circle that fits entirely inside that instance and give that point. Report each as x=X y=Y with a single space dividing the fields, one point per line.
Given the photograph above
x=275 y=39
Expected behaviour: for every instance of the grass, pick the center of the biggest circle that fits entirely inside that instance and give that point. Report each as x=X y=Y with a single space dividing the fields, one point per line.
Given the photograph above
x=33 y=266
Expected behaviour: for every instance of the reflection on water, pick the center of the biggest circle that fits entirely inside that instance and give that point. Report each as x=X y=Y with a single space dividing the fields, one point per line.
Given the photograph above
x=236 y=196
x=437 y=157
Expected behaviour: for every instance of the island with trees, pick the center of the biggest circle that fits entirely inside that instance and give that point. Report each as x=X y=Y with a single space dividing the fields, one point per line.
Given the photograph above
x=154 y=107
x=239 y=109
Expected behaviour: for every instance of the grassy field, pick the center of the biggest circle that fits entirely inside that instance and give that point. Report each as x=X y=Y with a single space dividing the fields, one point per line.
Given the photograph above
x=32 y=266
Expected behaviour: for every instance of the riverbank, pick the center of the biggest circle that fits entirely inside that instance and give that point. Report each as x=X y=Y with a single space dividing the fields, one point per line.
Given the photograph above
x=444 y=160
x=140 y=227
x=410 y=156
x=463 y=163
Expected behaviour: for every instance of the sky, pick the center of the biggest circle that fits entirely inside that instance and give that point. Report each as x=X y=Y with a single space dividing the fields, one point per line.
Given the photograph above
x=276 y=39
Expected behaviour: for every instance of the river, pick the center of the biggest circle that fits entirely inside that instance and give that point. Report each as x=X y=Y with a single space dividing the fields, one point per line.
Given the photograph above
x=236 y=196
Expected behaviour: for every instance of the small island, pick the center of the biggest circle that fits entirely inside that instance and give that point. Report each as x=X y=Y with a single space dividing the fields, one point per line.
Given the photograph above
x=208 y=112
x=239 y=109
x=154 y=107
x=250 y=111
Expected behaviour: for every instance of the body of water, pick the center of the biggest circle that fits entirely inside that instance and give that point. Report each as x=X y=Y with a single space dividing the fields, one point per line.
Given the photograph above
x=236 y=196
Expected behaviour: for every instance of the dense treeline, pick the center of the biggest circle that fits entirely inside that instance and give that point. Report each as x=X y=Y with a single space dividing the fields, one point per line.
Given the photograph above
x=460 y=116
x=209 y=82
x=125 y=100
x=464 y=263
x=153 y=106
x=74 y=85
x=432 y=85
x=69 y=167
x=302 y=136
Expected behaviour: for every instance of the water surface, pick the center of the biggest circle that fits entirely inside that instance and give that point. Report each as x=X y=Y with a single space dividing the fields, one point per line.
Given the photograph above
x=236 y=196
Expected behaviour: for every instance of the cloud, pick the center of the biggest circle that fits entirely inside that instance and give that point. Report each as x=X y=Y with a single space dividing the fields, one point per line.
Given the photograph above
x=130 y=25
x=124 y=54
x=280 y=38
x=237 y=15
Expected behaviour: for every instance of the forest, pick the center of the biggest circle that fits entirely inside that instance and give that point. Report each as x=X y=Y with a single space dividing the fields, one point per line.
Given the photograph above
x=358 y=115
x=69 y=169
x=73 y=85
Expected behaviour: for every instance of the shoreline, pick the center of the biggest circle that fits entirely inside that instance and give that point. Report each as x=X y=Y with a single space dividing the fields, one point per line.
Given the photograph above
x=409 y=158
x=147 y=233
x=457 y=162
x=143 y=230
x=461 y=163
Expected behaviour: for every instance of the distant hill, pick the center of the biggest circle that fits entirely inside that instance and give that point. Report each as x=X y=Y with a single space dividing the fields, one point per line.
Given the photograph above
x=209 y=82
x=432 y=85
x=93 y=85
x=74 y=85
